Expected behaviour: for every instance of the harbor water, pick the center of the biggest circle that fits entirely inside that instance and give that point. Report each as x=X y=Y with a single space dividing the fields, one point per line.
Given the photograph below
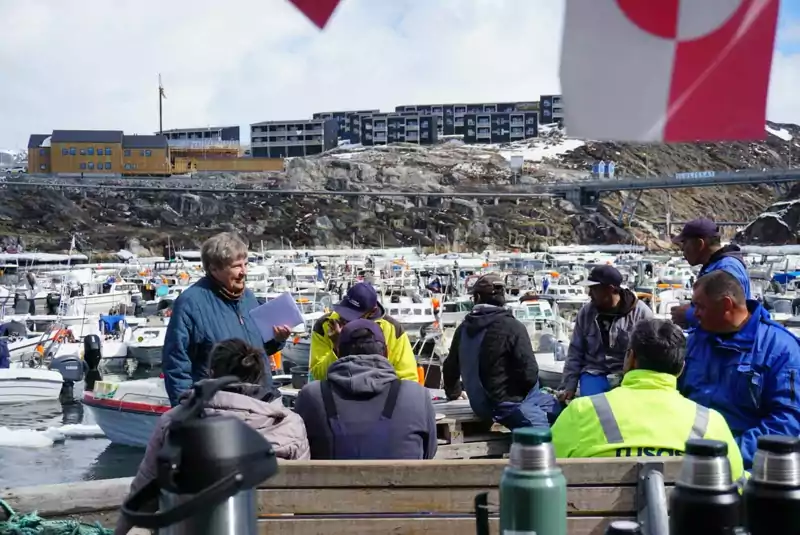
x=43 y=443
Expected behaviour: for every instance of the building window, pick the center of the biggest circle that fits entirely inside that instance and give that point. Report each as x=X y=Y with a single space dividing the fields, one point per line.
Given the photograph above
x=147 y=153
x=83 y=165
x=83 y=152
x=43 y=167
x=108 y=165
x=90 y=151
x=91 y=165
x=127 y=152
x=41 y=152
x=72 y=151
x=108 y=151
x=141 y=153
x=64 y=152
x=127 y=165
x=99 y=165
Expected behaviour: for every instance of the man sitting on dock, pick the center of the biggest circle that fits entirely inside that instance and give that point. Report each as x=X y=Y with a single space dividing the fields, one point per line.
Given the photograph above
x=492 y=359
x=360 y=302
x=362 y=410
x=700 y=242
x=646 y=415
x=601 y=334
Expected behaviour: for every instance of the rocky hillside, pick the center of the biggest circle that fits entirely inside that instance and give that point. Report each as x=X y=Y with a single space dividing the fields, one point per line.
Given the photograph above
x=110 y=220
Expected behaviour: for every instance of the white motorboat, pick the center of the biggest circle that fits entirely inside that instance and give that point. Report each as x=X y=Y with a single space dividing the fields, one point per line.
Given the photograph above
x=147 y=342
x=128 y=412
x=23 y=385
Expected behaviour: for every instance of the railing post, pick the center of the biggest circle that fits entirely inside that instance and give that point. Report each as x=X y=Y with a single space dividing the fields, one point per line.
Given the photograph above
x=651 y=498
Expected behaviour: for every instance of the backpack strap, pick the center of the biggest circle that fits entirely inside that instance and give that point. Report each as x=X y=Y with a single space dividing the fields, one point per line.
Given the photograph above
x=391 y=400
x=327 y=400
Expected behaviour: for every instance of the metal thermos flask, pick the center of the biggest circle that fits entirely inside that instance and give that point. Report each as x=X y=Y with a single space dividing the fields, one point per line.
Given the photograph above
x=624 y=527
x=533 y=490
x=772 y=494
x=705 y=500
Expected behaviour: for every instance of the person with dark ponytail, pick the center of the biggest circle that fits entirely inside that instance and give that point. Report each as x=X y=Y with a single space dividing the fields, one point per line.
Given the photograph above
x=257 y=405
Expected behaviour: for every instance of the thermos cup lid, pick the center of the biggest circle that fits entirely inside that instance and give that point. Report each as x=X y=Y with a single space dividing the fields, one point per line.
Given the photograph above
x=779 y=444
x=532 y=436
x=706 y=448
x=618 y=527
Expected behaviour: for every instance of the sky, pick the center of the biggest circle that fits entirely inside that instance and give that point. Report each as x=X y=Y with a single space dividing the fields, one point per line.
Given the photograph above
x=94 y=64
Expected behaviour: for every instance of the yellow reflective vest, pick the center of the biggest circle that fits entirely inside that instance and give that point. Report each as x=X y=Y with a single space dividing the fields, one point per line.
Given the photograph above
x=397 y=344
x=644 y=417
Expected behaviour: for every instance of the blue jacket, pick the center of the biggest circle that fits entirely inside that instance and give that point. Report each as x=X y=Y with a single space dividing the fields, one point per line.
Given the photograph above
x=729 y=259
x=751 y=377
x=201 y=317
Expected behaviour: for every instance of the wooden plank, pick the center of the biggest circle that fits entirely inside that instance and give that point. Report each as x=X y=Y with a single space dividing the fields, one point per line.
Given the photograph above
x=602 y=501
x=471 y=450
x=409 y=526
x=448 y=473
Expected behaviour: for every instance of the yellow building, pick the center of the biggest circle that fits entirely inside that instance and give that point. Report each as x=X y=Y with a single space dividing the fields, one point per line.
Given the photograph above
x=86 y=152
x=39 y=154
x=146 y=155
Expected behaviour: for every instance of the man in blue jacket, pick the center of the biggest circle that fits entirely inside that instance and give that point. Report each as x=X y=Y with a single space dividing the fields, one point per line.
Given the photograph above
x=742 y=364
x=215 y=308
x=700 y=242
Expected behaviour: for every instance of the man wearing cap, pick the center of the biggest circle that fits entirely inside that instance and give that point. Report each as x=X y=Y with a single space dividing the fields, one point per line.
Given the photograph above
x=491 y=358
x=700 y=242
x=363 y=410
x=360 y=302
x=601 y=334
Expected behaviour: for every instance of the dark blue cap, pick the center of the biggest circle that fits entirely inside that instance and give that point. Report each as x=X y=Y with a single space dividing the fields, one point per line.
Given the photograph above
x=364 y=332
x=606 y=275
x=697 y=228
x=360 y=299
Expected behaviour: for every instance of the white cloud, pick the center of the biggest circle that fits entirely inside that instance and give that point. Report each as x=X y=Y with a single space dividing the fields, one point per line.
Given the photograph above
x=94 y=63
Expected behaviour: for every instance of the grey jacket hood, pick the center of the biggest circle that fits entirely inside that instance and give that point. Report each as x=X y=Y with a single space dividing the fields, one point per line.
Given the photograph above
x=362 y=375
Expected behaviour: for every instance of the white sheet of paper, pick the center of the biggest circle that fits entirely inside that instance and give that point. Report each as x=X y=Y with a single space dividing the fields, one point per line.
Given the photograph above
x=280 y=311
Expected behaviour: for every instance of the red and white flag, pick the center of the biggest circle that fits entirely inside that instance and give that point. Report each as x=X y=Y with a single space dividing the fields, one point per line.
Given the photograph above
x=667 y=70
x=317 y=11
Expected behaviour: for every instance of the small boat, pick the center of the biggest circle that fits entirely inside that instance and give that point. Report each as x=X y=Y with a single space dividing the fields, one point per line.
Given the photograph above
x=128 y=412
x=23 y=385
x=147 y=342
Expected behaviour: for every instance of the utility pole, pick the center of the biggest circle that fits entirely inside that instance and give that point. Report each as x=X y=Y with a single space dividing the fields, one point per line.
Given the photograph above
x=161 y=97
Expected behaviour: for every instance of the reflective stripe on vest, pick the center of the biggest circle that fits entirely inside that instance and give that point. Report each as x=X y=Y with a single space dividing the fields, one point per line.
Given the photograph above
x=611 y=428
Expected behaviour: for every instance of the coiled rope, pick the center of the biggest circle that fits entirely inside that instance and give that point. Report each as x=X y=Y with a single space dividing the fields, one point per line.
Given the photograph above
x=33 y=524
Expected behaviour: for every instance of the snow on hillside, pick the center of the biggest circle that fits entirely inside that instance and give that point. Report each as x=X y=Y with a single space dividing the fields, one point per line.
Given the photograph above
x=11 y=158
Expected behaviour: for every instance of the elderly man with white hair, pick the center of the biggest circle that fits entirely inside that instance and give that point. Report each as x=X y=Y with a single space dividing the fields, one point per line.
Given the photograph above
x=215 y=308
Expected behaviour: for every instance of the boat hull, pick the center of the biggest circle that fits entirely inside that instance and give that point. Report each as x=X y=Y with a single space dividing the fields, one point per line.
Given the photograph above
x=129 y=424
x=23 y=385
x=146 y=355
x=296 y=354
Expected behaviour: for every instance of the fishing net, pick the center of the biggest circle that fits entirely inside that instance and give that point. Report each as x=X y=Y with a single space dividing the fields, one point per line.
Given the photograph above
x=32 y=524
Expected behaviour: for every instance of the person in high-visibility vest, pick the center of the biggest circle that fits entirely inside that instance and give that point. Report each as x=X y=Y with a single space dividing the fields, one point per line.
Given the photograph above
x=646 y=416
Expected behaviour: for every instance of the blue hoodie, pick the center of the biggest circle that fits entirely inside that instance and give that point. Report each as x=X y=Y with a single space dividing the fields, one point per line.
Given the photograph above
x=752 y=377
x=728 y=259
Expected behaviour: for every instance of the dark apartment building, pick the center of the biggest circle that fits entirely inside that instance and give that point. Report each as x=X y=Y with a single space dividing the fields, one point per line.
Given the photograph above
x=452 y=115
x=551 y=109
x=385 y=128
x=287 y=139
x=211 y=135
x=500 y=127
x=342 y=117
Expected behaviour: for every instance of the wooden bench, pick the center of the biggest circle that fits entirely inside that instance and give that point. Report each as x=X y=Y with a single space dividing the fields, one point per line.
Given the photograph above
x=398 y=497
x=469 y=438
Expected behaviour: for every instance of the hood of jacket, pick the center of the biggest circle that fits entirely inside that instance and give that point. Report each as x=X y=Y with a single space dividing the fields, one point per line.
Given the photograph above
x=362 y=375
x=627 y=302
x=731 y=250
x=482 y=316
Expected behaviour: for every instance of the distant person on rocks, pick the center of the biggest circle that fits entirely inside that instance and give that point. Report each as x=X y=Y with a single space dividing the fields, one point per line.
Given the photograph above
x=215 y=308
x=700 y=242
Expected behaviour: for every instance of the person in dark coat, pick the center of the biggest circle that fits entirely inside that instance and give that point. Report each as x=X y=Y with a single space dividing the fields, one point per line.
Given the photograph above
x=362 y=410
x=215 y=308
x=491 y=358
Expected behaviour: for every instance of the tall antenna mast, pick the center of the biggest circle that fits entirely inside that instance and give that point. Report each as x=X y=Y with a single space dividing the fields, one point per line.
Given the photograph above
x=161 y=97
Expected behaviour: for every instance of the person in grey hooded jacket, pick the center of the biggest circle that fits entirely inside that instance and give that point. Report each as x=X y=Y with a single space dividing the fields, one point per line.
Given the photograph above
x=363 y=410
x=601 y=334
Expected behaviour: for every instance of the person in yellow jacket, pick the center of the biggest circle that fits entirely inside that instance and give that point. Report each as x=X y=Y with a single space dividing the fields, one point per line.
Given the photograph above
x=360 y=302
x=645 y=416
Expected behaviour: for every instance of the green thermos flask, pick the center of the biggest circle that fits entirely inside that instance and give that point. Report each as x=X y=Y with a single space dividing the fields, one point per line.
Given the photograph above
x=533 y=490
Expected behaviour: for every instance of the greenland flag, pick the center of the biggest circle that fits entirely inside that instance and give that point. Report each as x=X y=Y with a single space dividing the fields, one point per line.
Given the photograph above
x=317 y=11
x=667 y=70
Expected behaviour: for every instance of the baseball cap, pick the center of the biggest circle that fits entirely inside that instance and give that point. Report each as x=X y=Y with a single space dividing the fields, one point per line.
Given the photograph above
x=697 y=228
x=363 y=330
x=489 y=284
x=360 y=299
x=606 y=275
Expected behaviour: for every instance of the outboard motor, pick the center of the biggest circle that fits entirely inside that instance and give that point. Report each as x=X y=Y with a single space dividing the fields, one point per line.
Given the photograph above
x=53 y=302
x=91 y=359
x=21 y=305
x=71 y=368
x=207 y=472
